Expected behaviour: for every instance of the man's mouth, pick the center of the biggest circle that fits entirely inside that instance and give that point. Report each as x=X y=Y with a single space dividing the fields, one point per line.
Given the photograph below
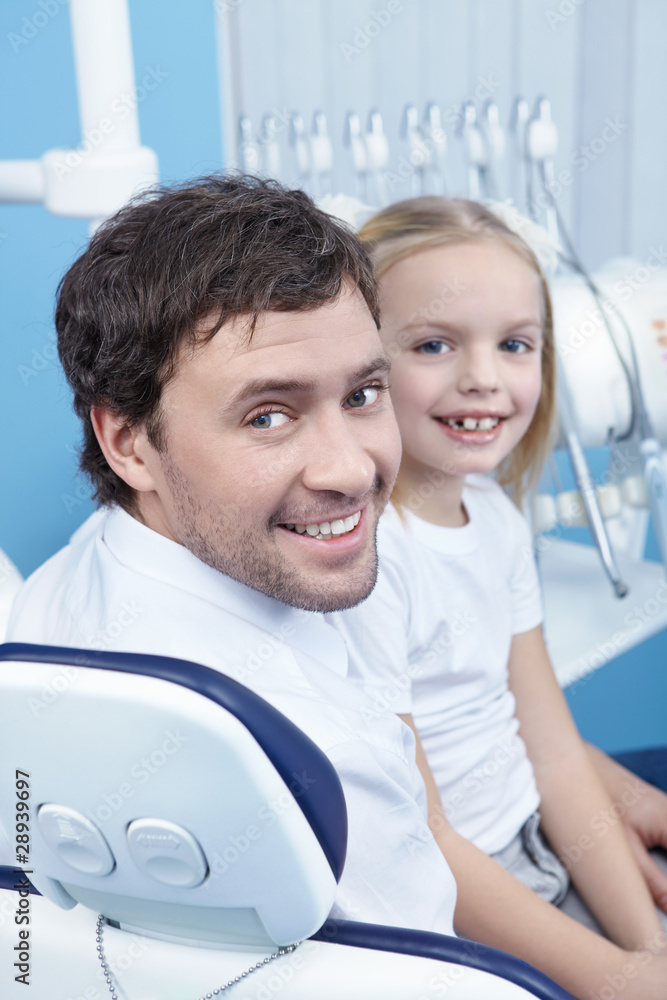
x=326 y=530
x=471 y=423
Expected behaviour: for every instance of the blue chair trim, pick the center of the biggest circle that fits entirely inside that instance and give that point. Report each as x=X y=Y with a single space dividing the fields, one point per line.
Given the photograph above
x=10 y=877
x=322 y=802
x=459 y=951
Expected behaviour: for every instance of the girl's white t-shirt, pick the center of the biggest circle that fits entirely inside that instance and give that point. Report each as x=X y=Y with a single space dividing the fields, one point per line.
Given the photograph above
x=433 y=640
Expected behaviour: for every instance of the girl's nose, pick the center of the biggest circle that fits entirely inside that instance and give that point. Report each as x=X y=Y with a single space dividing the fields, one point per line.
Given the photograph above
x=479 y=372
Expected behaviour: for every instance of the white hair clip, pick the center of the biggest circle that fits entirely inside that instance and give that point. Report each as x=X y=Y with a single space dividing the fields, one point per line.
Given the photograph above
x=346 y=208
x=545 y=248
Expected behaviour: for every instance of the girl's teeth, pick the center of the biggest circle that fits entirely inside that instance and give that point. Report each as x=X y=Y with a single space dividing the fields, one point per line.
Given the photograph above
x=472 y=424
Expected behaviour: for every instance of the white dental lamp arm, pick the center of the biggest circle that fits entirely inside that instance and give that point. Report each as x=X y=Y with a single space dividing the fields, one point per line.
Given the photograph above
x=95 y=180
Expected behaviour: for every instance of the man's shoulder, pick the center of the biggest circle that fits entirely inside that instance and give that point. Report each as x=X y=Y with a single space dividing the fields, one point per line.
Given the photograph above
x=39 y=612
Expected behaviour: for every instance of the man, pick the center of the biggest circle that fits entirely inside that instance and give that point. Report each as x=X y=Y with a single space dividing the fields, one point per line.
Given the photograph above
x=221 y=343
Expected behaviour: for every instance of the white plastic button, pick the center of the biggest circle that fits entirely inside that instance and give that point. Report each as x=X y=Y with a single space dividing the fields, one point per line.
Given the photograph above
x=545 y=516
x=609 y=499
x=75 y=839
x=633 y=490
x=571 y=510
x=166 y=852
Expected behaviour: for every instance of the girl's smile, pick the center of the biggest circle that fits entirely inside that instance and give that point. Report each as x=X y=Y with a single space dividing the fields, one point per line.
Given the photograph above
x=466 y=372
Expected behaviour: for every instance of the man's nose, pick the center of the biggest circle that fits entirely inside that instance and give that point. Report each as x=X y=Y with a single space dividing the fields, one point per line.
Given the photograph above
x=338 y=460
x=479 y=371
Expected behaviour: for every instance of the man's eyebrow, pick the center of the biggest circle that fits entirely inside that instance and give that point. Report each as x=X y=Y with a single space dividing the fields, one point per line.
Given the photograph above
x=268 y=386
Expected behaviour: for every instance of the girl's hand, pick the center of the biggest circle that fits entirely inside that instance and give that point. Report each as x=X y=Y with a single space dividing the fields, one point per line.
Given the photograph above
x=642 y=836
x=642 y=809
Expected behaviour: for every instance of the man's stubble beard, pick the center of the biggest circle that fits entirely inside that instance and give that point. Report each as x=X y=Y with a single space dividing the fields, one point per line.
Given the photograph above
x=238 y=553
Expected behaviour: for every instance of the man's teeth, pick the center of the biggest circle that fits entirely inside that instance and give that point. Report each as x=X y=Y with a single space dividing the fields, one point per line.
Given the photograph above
x=327 y=529
x=472 y=424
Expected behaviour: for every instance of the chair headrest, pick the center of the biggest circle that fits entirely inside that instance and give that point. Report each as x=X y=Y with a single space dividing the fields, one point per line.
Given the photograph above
x=168 y=796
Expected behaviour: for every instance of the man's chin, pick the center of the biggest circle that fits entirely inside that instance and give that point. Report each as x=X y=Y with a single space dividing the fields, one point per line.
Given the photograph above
x=327 y=596
x=329 y=603
x=319 y=592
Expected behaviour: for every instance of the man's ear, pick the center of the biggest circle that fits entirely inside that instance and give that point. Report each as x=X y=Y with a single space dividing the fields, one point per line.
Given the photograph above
x=126 y=449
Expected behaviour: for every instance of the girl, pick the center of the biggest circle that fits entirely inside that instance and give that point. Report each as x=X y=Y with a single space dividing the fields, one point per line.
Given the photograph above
x=451 y=638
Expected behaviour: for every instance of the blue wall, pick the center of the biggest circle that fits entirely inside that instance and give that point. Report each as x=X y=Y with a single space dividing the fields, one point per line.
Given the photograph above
x=42 y=500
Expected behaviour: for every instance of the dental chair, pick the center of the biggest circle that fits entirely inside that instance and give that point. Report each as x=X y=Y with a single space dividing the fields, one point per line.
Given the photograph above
x=209 y=835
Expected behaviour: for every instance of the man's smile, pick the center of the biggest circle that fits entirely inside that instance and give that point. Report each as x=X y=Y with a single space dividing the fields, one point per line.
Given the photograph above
x=327 y=530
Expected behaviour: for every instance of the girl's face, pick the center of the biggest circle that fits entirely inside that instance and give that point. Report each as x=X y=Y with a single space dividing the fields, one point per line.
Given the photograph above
x=463 y=327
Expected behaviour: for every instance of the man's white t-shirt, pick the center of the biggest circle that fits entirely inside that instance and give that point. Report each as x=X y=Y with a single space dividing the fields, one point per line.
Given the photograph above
x=433 y=640
x=119 y=585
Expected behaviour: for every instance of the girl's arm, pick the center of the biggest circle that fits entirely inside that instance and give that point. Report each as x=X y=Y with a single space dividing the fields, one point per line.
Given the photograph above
x=496 y=909
x=574 y=804
x=642 y=809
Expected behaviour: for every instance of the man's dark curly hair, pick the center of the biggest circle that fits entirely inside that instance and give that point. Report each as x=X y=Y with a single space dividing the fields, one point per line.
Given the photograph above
x=219 y=247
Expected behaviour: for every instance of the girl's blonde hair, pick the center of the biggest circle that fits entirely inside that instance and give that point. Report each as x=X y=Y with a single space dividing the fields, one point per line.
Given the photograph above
x=418 y=224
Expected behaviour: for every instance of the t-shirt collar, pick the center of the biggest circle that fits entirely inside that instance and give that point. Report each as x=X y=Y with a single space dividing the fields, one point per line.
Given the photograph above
x=449 y=541
x=149 y=553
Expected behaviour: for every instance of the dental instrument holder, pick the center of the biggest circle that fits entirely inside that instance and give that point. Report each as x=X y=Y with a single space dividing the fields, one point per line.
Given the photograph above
x=299 y=142
x=474 y=151
x=494 y=141
x=249 y=159
x=377 y=152
x=321 y=155
x=354 y=141
x=541 y=147
x=269 y=147
x=418 y=154
x=517 y=126
x=435 y=175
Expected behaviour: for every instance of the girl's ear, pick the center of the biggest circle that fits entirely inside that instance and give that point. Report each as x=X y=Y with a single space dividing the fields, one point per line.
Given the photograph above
x=125 y=448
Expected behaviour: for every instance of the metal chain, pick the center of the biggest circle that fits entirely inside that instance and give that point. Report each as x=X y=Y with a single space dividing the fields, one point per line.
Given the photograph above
x=208 y=996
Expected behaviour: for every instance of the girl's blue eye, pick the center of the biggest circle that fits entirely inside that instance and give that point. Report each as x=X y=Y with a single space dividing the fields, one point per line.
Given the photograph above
x=434 y=347
x=363 y=397
x=514 y=346
x=269 y=420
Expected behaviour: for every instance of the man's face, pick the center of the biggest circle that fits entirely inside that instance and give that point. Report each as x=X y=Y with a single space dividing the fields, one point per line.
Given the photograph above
x=280 y=454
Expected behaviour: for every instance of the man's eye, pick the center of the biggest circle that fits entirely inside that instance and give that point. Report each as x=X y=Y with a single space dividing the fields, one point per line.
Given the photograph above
x=434 y=347
x=269 y=420
x=363 y=397
x=514 y=346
